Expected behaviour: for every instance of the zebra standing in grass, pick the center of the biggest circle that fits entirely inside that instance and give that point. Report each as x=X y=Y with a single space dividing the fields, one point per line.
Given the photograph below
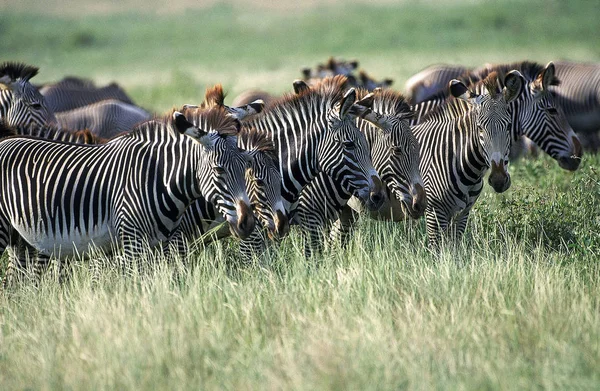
x=459 y=142
x=315 y=131
x=534 y=113
x=20 y=101
x=72 y=92
x=395 y=154
x=578 y=94
x=105 y=119
x=61 y=199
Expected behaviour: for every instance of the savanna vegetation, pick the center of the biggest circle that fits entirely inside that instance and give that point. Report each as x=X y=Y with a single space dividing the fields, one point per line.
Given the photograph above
x=515 y=306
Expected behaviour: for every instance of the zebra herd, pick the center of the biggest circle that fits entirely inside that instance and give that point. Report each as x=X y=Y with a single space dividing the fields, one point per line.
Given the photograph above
x=85 y=168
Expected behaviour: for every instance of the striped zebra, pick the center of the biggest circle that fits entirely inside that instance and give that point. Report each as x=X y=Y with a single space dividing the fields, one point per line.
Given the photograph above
x=62 y=199
x=315 y=131
x=534 y=113
x=72 y=92
x=263 y=185
x=395 y=154
x=20 y=101
x=105 y=119
x=459 y=141
x=52 y=132
x=578 y=94
x=431 y=81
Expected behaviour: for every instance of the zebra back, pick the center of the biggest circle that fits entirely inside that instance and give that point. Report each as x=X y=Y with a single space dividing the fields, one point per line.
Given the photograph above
x=72 y=92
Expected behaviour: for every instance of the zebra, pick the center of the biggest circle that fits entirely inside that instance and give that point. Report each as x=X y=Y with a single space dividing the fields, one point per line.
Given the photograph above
x=535 y=113
x=72 y=92
x=395 y=154
x=53 y=132
x=578 y=94
x=263 y=185
x=346 y=68
x=459 y=141
x=62 y=199
x=105 y=119
x=20 y=101
x=315 y=131
x=431 y=81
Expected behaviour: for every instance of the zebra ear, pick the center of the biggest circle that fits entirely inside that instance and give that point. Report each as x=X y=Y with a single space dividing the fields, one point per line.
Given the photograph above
x=5 y=83
x=183 y=126
x=347 y=102
x=300 y=87
x=547 y=76
x=513 y=83
x=367 y=101
x=459 y=90
x=257 y=105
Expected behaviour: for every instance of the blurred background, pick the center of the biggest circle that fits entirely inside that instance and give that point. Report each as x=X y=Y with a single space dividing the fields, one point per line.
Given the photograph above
x=166 y=53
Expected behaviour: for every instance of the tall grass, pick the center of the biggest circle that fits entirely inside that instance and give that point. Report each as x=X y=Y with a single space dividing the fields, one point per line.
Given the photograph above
x=515 y=306
x=505 y=310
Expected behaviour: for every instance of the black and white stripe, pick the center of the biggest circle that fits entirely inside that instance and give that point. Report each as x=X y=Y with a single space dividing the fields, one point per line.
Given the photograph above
x=20 y=101
x=459 y=142
x=62 y=199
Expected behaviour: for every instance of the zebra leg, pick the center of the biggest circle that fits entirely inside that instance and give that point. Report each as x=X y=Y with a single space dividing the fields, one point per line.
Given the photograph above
x=343 y=227
x=254 y=245
x=437 y=225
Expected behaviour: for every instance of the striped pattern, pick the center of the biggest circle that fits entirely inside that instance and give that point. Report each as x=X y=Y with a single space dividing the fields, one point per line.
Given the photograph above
x=20 y=101
x=459 y=142
x=61 y=199
x=315 y=131
x=72 y=92
x=395 y=154
x=105 y=119
x=534 y=113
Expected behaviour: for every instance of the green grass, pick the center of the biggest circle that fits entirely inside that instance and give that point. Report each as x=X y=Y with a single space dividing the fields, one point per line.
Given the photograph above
x=516 y=306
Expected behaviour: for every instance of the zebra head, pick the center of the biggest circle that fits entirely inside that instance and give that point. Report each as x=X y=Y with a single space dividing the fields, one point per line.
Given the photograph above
x=20 y=102
x=394 y=149
x=345 y=155
x=263 y=182
x=491 y=117
x=544 y=122
x=221 y=170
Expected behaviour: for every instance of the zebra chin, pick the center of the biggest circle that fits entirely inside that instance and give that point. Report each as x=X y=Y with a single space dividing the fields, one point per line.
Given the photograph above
x=374 y=195
x=499 y=178
x=242 y=223
x=570 y=162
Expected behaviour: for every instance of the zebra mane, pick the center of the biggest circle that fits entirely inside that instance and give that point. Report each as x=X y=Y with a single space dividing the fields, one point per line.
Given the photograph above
x=387 y=101
x=214 y=119
x=457 y=106
x=530 y=71
x=74 y=81
x=214 y=96
x=51 y=132
x=17 y=70
x=257 y=141
x=328 y=90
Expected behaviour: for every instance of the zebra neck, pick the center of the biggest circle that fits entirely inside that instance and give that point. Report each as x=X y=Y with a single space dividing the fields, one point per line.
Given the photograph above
x=296 y=144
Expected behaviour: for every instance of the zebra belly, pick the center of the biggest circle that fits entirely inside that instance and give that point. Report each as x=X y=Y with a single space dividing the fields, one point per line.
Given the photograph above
x=70 y=244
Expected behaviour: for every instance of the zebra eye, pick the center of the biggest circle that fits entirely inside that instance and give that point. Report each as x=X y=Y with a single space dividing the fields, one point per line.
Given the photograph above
x=219 y=170
x=552 y=110
x=397 y=150
x=349 y=144
x=260 y=181
x=36 y=106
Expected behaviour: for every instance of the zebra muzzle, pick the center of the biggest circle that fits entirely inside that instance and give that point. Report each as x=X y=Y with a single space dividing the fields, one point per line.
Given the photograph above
x=419 y=201
x=243 y=224
x=571 y=162
x=499 y=177
x=377 y=194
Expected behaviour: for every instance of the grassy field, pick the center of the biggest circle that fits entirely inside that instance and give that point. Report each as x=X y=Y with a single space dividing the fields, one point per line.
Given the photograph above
x=517 y=306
